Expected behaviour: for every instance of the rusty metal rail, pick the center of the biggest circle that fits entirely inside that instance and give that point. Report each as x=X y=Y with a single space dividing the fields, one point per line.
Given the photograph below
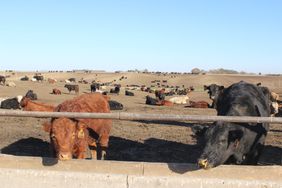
x=140 y=116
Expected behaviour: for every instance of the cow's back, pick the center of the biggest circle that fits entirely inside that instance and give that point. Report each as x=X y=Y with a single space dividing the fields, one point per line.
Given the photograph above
x=243 y=99
x=94 y=102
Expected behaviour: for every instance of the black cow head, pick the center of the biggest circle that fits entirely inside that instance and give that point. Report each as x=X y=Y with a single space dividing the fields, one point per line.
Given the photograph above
x=214 y=91
x=222 y=143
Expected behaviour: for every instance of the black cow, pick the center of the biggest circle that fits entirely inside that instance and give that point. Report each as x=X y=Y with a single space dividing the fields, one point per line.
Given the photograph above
x=94 y=87
x=115 y=90
x=214 y=92
x=71 y=87
x=2 y=79
x=72 y=79
x=25 y=78
x=12 y=103
x=38 y=77
x=151 y=101
x=31 y=95
x=129 y=93
x=114 y=105
x=160 y=94
x=236 y=143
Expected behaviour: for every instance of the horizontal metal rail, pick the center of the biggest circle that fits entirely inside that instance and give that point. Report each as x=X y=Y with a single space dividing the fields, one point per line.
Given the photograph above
x=138 y=116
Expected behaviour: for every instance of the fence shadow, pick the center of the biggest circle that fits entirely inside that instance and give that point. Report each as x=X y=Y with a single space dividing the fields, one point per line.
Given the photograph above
x=177 y=123
x=152 y=150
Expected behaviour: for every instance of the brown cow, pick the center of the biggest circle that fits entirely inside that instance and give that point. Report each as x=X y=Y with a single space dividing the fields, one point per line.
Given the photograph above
x=164 y=103
x=71 y=137
x=56 y=92
x=28 y=105
x=198 y=104
x=51 y=80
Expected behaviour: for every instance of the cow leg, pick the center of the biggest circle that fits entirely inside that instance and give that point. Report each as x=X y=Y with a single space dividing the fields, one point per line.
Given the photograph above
x=93 y=149
x=103 y=142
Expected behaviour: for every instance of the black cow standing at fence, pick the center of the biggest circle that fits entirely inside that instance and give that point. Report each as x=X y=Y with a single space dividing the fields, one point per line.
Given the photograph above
x=236 y=143
x=71 y=87
x=214 y=92
x=2 y=80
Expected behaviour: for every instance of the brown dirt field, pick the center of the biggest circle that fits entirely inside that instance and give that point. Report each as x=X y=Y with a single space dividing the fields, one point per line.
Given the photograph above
x=150 y=141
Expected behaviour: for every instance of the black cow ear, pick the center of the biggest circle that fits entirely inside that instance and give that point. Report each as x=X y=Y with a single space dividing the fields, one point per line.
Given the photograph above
x=235 y=136
x=221 y=87
x=206 y=87
x=199 y=130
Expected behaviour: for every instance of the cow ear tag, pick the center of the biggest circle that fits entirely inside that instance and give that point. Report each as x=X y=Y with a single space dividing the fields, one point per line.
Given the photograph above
x=80 y=133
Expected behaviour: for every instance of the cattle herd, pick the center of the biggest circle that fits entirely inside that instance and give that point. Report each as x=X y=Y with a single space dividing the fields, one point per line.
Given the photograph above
x=225 y=143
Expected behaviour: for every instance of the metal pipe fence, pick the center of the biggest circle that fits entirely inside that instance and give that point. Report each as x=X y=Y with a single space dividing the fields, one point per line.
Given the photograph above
x=140 y=116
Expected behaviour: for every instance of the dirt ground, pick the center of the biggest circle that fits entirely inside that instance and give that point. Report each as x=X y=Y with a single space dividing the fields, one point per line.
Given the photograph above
x=151 y=141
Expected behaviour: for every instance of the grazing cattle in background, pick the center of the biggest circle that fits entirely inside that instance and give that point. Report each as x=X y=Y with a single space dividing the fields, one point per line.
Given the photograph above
x=29 y=105
x=11 y=103
x=94 y=87
x=56 y=92
x=115 y=90
x=71 y=87
x=128 y=93
x=70 y=137
x=214 y=92
x=31 y=95
x=160 y=94
x=151 y=100
x=198 y=104
x=114 y=105
x=2 y=99
x=273 y=99
x=72 y=79
x=67 y=81
x=179 y=99
x=51 y=80
x=164 y=103
x=25 y=78
x=2 y=80
x=236 y=143
x=11 y=84
x=38 y=78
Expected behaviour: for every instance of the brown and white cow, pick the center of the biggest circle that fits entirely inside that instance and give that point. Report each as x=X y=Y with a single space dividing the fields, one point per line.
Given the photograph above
x=70 y=137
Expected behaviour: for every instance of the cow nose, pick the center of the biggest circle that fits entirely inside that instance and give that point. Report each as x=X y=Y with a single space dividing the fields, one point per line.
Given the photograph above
x=64 y=157
x=203 y=163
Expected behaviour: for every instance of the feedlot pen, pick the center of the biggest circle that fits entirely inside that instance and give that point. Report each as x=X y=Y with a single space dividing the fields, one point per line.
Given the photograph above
x=158 y=138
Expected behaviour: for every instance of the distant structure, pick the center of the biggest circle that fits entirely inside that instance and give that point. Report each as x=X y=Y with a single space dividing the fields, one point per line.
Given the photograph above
x=195 y=71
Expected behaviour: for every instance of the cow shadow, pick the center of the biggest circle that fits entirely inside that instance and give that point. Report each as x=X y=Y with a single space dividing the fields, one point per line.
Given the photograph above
x=271 y=155
x=28 y=147
x=152 y=150
x=31 y=147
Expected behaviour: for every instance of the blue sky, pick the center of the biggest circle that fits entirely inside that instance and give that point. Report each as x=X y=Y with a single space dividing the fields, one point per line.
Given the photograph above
x=163 y=35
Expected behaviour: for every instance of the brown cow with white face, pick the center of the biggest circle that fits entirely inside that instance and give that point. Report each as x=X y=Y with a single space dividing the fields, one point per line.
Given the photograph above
x=71 y=137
